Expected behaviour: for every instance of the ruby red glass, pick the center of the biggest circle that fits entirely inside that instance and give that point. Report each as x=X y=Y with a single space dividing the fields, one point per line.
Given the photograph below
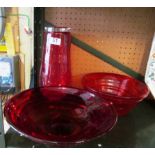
x=55 y=65
x=59 y=115
x=125 y=92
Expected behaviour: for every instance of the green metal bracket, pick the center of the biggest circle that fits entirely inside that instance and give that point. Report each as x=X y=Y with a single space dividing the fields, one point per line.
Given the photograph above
x=106 y=58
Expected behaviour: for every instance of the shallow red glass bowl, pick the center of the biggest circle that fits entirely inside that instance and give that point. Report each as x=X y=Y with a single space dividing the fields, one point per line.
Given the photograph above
x=59 y=115
x=125 y=92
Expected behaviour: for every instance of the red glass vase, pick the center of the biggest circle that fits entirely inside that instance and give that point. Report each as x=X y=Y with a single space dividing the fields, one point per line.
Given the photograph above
x=55 y=65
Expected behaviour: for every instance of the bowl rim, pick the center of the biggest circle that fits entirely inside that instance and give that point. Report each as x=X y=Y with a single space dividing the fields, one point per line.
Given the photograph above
x=43 y=141
x=140 y=98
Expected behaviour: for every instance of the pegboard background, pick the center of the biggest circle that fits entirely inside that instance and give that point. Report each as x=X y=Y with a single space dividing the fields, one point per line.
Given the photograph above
x=125 y=34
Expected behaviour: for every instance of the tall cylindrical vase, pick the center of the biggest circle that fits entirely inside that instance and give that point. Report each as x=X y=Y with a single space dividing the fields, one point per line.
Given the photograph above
x=55 y=65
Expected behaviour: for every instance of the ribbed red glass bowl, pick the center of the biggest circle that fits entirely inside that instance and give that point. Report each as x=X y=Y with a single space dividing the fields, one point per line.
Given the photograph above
x=125 y=92
x=59 y=115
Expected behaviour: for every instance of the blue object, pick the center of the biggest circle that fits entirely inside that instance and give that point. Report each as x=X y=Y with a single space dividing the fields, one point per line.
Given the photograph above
x=9 y=74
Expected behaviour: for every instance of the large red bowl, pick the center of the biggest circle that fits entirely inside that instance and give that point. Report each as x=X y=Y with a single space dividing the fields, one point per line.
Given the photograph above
x=125 y=92
x=59 y=115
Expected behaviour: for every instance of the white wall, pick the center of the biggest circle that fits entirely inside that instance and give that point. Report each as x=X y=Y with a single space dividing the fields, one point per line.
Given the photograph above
x=27 y=42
